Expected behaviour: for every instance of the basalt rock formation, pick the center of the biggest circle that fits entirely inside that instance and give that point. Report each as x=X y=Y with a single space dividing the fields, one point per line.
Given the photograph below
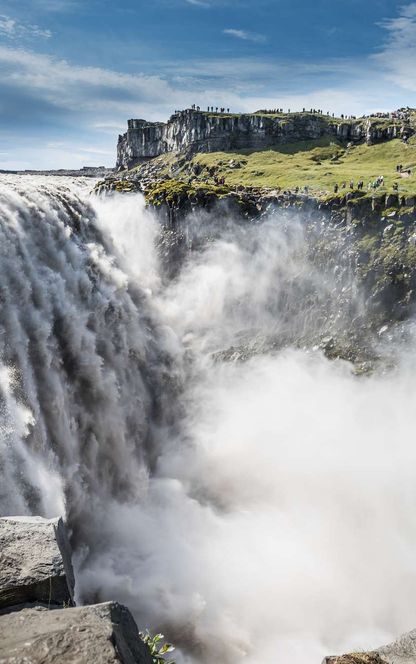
x=38 y=620
x=196 y=131
x=35 y=562
x=103 y=634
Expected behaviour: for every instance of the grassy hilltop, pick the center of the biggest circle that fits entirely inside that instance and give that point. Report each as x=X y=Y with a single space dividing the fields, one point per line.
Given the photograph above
x=372 y=229
x=318 y=164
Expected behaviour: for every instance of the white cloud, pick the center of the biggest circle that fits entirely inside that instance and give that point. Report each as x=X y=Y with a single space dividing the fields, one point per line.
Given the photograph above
x=13 y=29
x=398 y=56
x=56 y=5
x=78 y=88
x=59 y=145
x=109 y=127
x=7 y=25
x=198 y=3
x=91 y=105
x=243 y=34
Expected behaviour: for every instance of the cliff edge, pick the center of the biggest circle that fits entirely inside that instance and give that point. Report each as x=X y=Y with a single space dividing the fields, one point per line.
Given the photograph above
x=195 y=131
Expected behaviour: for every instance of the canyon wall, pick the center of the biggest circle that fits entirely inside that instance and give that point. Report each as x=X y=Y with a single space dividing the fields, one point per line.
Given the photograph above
x=196 y=131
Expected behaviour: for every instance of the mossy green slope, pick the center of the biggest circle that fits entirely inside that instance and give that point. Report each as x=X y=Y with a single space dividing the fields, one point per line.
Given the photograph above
x=317 y=164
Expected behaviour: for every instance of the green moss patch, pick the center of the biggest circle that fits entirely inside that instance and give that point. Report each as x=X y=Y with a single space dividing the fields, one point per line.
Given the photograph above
x=172 y=191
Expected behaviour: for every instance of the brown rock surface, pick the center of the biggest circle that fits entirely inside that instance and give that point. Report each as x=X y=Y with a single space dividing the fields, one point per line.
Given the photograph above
x=99 y=634
x=35 y=562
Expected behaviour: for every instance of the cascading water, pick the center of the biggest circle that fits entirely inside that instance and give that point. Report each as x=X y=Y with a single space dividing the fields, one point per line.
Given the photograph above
x=82 y=365
x=221 y=476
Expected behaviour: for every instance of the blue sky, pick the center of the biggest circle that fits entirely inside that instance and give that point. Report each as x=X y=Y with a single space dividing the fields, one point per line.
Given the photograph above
x=73 y=71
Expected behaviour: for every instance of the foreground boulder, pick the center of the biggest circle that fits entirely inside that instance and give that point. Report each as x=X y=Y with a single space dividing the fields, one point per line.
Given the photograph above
x=401 y=651
x=35 y=562
x=98 y=634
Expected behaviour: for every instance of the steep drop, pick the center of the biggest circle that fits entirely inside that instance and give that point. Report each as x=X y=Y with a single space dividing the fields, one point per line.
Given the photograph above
x=221 y=476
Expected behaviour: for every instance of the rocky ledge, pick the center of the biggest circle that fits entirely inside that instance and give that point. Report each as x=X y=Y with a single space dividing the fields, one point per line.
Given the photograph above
x=35 y=563
x=39 y=622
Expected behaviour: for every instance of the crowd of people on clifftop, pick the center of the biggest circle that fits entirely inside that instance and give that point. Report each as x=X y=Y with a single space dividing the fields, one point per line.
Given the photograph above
x=222 y=109
x=313 y=111
x=403 y=171
x=210 y=109
x=402 y=114
x=374 y=184
x=277 y=111
x=360 y=185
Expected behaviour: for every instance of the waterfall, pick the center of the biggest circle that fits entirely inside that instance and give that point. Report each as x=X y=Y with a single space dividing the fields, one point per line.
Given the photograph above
x=81 y=363
x=220 y=474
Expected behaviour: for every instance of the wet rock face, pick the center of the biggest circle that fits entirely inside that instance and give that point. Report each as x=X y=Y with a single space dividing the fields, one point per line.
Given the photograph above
x=35 y=562
x=99 y=634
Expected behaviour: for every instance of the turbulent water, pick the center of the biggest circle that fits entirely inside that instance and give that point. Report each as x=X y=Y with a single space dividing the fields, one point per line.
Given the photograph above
x=234 y=487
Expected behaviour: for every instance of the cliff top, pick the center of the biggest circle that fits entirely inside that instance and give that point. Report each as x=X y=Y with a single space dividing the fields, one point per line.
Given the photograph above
x=320 y=165
x=404 y=115
x=308 y=150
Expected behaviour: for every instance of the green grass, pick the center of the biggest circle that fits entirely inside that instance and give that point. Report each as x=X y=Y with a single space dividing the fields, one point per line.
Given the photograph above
x=172 y=190
x=318 y=164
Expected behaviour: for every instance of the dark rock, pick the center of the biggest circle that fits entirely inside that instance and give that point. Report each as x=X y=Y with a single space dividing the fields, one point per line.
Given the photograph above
x=392 y=200
x=99 y=634
x=35 y=562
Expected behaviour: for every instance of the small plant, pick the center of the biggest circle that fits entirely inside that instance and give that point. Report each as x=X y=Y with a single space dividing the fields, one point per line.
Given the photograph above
x=157 y=649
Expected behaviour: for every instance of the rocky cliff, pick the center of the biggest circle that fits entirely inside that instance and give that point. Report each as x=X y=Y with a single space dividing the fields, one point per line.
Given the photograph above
x=39 y=622
x=196 y=131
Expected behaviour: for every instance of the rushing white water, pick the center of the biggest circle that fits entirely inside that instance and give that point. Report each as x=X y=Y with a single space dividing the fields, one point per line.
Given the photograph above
x=261 y=510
